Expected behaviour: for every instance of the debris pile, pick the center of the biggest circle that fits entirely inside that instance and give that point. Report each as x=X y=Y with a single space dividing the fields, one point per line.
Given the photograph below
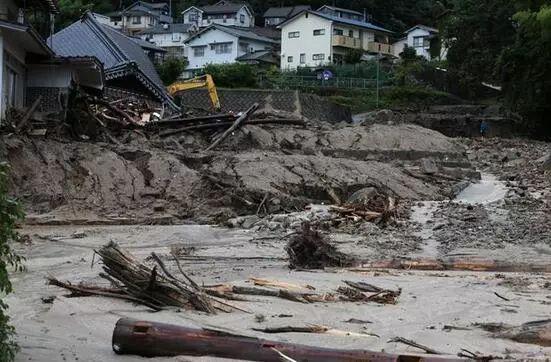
x=154 y=287
x=309 y=249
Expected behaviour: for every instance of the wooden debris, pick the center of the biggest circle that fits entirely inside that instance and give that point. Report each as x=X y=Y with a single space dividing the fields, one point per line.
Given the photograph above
x=229 y=290
x=27 y=116
x=278 y=284
x=151 y=339
x=358 y=293
x=536 y=332
x=309 y=249
x=502 y=297
x=318 y=329
x=409 y=342
x=154 y=287
x=234 y=127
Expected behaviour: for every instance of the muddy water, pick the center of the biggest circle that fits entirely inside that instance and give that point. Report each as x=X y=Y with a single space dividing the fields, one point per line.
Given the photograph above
x=488 y=190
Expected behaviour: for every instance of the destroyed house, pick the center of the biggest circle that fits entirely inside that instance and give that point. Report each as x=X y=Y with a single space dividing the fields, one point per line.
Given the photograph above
x=127 y=66
x=30 y=72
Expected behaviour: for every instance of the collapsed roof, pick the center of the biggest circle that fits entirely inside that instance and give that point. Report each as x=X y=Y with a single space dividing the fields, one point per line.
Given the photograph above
x=125 y=62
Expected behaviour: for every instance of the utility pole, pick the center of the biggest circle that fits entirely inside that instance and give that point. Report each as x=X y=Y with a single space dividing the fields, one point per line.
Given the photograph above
x=378 y=55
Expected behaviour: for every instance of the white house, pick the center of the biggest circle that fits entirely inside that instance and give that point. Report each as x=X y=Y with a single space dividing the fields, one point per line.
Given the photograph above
x=170 y=37
x=313 y=38
x=223 y=12
x=140 y=16
x=419 y=38
x=219 y=44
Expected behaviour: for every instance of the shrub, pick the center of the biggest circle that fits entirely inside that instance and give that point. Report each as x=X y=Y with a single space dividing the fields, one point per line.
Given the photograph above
x=233 y=75
x=171 y=69
x=10 y=214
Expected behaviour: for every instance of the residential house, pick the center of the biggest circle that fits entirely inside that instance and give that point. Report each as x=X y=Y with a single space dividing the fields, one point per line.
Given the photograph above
x=313 y=38
x=342 y=13
x=170 y=37
x=29 y=68
x=140 y=16
x=275 y=16
x=421 y=38
x=223 y=12
x=127 y=66
x=218 y=44
x=261 y=58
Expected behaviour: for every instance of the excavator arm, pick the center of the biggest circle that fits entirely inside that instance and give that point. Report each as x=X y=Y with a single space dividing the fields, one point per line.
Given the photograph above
x=204 y=81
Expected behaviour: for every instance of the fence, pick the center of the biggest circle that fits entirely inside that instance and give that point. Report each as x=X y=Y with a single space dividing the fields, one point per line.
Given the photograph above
x=304 y=82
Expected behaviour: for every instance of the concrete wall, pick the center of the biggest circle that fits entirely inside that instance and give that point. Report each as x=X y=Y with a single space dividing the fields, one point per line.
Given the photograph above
x=308 y=105
x=307 y=43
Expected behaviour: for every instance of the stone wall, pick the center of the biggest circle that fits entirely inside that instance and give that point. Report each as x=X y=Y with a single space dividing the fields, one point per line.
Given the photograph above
x=308 y=105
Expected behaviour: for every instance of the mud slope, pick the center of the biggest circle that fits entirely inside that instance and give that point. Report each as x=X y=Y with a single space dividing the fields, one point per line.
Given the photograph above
x=148 y=179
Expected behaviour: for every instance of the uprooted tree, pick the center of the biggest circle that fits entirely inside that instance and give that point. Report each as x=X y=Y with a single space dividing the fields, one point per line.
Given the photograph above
x=10 y=214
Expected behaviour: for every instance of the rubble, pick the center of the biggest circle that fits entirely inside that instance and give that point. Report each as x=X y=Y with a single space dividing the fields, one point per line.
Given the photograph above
x=310 y=250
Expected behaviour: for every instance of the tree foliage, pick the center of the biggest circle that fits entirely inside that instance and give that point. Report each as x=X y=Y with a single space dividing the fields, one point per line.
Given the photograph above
x=525 y=66
x=171 y=69
x=234 y=75
x=10 y=214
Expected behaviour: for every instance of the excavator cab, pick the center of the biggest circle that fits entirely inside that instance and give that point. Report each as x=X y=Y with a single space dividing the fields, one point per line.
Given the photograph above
x=203 y=81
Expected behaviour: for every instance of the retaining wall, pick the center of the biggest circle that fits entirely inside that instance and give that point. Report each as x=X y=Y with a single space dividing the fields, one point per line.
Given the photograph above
x=308 y=105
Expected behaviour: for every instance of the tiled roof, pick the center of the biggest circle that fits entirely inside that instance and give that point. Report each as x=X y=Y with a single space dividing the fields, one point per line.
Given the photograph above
x=360 y=24
x=168 y=29
x=114 y=49
x=341 y=9
x=222 y=8
x=285 y=12
x=239 y=32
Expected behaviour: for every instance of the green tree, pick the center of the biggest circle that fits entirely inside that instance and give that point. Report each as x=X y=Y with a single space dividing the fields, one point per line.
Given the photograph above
x=475 y=33
x=233 y=75
x=10 y=214
x=525 y=67
x=353 y=56
x=171 y=69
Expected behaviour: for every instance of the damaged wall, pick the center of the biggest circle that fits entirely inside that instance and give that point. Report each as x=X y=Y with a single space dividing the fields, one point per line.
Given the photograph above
x=308 y=105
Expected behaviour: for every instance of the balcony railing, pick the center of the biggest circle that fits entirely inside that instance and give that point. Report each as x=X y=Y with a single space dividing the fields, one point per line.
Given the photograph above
x=346 y=41
x=375 y=47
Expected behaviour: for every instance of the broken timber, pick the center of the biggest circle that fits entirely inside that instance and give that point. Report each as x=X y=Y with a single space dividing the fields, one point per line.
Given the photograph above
x=151 y=339
x=235 y=126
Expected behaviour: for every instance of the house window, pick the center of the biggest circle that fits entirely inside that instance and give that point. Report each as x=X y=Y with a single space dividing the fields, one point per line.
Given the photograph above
x=244 y=47
x=302 y=58
x=199 y=51
x=136 y=20
x=351 y=33
x=294 y=34
x=289 y=59
x=193 y=17
x=242 y=19
x=420 y=41
x=176 y=37
x=319 y=32
x=337 y=31
x=12 y=87
x=151 y=20
x=320 y=56
x=221 y=48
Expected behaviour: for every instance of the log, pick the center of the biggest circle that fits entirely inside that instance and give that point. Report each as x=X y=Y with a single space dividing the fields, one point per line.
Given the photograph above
x=234 y=127
x=27 y=116
x=151 y=339
x=212 y=125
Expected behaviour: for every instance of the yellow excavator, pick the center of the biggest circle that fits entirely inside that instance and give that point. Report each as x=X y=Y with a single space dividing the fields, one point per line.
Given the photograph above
x=197 y=82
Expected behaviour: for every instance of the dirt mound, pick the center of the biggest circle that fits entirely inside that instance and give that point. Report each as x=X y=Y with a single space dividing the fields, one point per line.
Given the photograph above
x=139 y=178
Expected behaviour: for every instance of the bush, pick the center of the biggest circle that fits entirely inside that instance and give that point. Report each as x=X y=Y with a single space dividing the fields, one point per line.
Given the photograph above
x=233 y=75
x=171 y=69
x=10 y=214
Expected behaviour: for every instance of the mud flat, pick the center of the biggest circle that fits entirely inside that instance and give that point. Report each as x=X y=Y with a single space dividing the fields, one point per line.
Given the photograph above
x=432 y=301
